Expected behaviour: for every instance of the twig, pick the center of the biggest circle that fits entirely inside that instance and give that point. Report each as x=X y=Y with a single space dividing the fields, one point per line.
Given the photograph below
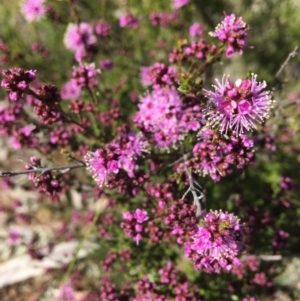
x=183 y=158
x=197 y=199
x=41 y=169
x=290 y=56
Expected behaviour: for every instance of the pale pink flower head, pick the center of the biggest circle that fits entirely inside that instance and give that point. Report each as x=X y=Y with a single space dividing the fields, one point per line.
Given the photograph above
x=86 y=75
x=106 y=64
x=100 y=166
x=238 y=106
x=146 y=77
x=14 y=237
x=79 y=38
x=141 y=215
x=102 y=28
x=71 y=90
x=233 y=32
x=216 y=244
x=66 y=292
x=127 y=216
x=104 y=164
x=196 y=29
x=180 y=3
x=24 y=136
x=33 y=10
x=161 y=114
x=128 y=20
x=132 y=224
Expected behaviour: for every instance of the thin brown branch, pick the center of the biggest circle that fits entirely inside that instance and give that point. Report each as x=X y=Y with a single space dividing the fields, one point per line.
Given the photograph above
x=66 y=168
x=290 y=56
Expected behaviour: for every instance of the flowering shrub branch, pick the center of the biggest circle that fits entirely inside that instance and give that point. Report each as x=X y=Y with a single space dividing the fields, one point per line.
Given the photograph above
x=41 y=170
x=131 y=100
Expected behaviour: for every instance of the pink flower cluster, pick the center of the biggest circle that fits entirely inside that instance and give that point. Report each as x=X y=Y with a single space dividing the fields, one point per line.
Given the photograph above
x=7 y=116
x=216 y=156
x=48 y=105
x=189 y=51
x=24 y=136
x=216 y=244
x=128 y=20
x=80 y=39
x=238 y=106
x=33 y=10
x=71 y=90
x=163 y=19
x=248 y=263
x=159 y=75
x=122 y=153
x=196 y=29
x=233 y=32
x=172 y=285
x=102 y=28
x=180 y=3
x=17 y=80
x=85 y=75
x=132 y=224
x=45 y=182
x=161 y=114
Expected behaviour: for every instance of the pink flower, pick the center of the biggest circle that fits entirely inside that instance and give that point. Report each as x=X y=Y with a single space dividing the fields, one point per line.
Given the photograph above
x=66 y=292
x=14 y=237
x=180 y=3
x=102 y=28
x=86 y=75
x=128 y=20
x=238 y=106
x=70 y=90
x=79 y=38
x=33 y=10
x=233 y=32
x=24 y=136
x=196 y=29
x=132 y=224
x=141 y=215
x=105 y=164
x=161 y=113
x=215 y=245
x=146 y=78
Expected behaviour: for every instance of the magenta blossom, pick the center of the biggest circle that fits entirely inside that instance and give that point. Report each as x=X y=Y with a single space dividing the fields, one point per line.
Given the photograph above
x=101 y=165
x=102 y=28
x=216 y=244
x=104 y=164
x=233 y=32
x=79 y=38
x=161 y=113
x=86 y=75
x=14 y=237
x=70 y=90
x=238 y=106
x=140 y=215
x=196 y=29
x=132 y=224
x=33 y=10
x=163 y=19
x=180 y=3
x=24 y=136
x=129 y=20
x=217 y=156
x=159 y=75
